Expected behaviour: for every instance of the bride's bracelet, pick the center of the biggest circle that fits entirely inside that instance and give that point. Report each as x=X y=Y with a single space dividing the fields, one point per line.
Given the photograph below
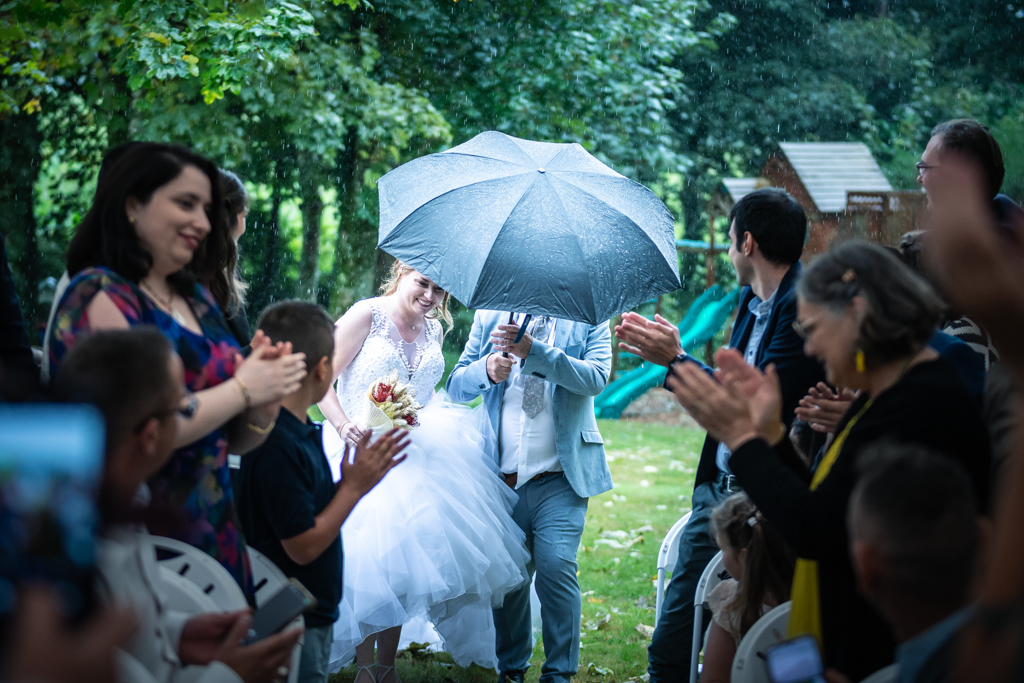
x=343 y=425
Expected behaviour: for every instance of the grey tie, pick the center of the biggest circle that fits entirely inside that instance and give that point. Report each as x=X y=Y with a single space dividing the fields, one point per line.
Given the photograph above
x=533 y=387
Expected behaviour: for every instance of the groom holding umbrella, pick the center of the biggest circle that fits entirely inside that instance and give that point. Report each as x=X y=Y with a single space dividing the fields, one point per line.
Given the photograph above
x=548 y=244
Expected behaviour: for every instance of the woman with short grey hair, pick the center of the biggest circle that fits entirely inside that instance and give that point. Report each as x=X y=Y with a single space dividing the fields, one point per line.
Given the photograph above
x=868 y=318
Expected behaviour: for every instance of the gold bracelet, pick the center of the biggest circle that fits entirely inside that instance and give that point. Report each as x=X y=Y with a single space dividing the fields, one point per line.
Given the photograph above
x=245 y=392
x=262 y=431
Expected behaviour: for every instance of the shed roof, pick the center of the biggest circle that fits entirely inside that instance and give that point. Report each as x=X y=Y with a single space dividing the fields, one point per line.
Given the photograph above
x=738 y=187
x=831 y=169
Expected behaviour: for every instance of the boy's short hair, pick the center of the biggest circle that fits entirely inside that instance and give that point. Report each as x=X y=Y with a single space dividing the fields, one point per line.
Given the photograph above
x=305 y=324
x=918 y=509
x=124 y=373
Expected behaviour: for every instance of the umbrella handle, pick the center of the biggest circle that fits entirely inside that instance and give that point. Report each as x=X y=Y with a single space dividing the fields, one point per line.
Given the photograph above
x=522 y=329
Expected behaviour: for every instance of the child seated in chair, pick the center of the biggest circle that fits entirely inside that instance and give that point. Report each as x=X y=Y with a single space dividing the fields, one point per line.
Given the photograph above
x=761 y=567
x=289 y=506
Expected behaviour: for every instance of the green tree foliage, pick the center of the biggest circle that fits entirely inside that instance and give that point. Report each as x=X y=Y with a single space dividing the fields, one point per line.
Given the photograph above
x=312 y=102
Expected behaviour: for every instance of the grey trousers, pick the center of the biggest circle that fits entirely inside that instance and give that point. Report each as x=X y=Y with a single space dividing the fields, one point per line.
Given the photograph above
x=552 y=516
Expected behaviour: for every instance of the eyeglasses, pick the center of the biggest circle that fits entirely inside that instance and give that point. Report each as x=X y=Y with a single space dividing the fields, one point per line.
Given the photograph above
x=806 y=328
x=922 y=167
x=186 y=410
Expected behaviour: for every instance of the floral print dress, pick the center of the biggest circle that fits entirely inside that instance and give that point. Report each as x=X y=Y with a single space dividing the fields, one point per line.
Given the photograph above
x=195 y=481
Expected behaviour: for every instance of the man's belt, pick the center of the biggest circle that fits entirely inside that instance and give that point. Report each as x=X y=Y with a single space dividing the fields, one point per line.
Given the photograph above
x=513 y=479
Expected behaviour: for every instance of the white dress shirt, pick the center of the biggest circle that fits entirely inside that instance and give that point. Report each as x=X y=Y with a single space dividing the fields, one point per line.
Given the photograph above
x=761 y=310
x=527 y=444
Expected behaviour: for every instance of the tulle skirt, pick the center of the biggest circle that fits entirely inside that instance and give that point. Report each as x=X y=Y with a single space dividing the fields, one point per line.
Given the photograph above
x=433 y=541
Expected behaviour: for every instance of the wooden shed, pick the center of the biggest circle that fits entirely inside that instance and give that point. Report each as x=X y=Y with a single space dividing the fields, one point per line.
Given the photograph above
x=840 y=186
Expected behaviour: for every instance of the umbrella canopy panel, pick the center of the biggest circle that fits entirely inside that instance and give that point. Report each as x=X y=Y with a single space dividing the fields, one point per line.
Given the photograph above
x=542 y=228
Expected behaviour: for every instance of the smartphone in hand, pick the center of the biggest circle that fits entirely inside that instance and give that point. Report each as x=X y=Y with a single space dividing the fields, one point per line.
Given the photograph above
x=279 y=611
x=795 y=661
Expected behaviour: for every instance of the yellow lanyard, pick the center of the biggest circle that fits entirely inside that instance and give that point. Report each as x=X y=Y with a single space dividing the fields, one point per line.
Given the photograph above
x=805 y=615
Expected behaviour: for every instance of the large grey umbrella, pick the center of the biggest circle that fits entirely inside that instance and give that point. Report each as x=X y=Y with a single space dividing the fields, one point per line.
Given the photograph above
x=535 y=227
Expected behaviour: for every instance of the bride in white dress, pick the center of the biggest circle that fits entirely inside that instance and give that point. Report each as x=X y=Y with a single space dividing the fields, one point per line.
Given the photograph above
x=435 y=539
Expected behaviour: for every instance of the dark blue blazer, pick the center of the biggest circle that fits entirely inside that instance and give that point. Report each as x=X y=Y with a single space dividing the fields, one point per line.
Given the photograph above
x=780 y=345
x=968 y=363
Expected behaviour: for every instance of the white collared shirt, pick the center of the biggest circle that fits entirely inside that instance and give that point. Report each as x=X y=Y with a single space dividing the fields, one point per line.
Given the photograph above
x=760 y=310
x=527 y=444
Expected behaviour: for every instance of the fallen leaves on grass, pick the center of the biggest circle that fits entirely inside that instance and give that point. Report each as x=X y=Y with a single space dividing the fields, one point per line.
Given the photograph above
x=645 y=630
x=601 y=622
x=599 y=671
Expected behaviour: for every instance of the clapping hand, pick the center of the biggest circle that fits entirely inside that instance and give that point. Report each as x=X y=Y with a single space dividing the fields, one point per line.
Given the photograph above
x=655 y=340
x=742 y=404
x=981 y=264
x=823 y=408
x=271 y=371
x=372 y=461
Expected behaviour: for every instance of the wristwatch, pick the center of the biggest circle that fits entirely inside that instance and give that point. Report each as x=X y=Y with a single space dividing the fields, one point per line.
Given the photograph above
x=677 y=359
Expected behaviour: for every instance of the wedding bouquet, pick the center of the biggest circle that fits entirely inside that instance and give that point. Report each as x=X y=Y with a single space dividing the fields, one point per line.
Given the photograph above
x=391 y=404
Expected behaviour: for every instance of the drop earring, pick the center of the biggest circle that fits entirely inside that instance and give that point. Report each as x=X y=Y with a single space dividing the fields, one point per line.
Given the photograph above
x=858 y=361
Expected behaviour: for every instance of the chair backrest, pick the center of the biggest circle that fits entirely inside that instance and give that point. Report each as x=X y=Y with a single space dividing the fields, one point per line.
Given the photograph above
x=183 y=595
x=713 y=575
x=267 y=577
x=668 y=555
x=748 y=666
x=889 y=674
x=202 y=570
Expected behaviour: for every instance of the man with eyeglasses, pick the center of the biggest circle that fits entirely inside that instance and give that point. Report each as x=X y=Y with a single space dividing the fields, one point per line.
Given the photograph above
x=137 y=383
x=767 y=229
x=975 y=142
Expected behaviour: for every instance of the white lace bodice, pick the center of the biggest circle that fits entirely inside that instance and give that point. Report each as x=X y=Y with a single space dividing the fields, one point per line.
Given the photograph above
x=420 y=363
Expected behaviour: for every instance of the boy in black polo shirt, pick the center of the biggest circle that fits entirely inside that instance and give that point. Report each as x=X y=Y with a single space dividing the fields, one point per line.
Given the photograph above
x=290 y=509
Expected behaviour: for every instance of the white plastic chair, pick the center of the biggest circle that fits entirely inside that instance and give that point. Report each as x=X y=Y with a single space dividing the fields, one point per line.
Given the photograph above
x=268 y=579
x=889 y=674
x=204 y=571
x=183 y=595
x=713 y=575
x=668 y=555
x=748 y=666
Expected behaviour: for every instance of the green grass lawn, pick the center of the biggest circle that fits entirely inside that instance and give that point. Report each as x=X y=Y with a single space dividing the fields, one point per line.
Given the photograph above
x=653 y=467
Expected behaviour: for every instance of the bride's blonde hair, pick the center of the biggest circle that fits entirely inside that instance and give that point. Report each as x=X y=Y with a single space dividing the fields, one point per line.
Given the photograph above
x=390 y=286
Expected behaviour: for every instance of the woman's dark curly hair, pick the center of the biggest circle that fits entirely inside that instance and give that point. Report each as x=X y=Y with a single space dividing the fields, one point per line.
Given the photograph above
x=902 y=310
x=106 y=238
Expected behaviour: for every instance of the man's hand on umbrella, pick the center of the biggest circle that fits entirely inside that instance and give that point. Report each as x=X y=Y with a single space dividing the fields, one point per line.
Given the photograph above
x=498 y=368
x=655 y=340
x=503 y=340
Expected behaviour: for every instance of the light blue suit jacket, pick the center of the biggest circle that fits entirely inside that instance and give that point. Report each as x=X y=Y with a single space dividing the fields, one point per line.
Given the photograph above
x=577 y=363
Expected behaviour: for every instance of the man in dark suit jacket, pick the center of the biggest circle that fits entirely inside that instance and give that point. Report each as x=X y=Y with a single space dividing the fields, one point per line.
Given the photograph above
x=766 y=233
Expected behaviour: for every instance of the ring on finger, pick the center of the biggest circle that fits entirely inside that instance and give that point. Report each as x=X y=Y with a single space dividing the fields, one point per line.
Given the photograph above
x=282 y=671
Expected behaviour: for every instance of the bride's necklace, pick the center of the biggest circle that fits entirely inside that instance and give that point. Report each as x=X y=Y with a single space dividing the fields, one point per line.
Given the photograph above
x=165 y=305
x=399 y=315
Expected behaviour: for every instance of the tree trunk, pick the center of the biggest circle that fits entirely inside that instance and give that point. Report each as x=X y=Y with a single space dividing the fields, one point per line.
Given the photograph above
x=21 y=160
x=347 y=184
x=312 y=217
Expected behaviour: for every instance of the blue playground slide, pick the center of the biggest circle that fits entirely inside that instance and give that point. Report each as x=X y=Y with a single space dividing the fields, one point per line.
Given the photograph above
x=702 y=322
